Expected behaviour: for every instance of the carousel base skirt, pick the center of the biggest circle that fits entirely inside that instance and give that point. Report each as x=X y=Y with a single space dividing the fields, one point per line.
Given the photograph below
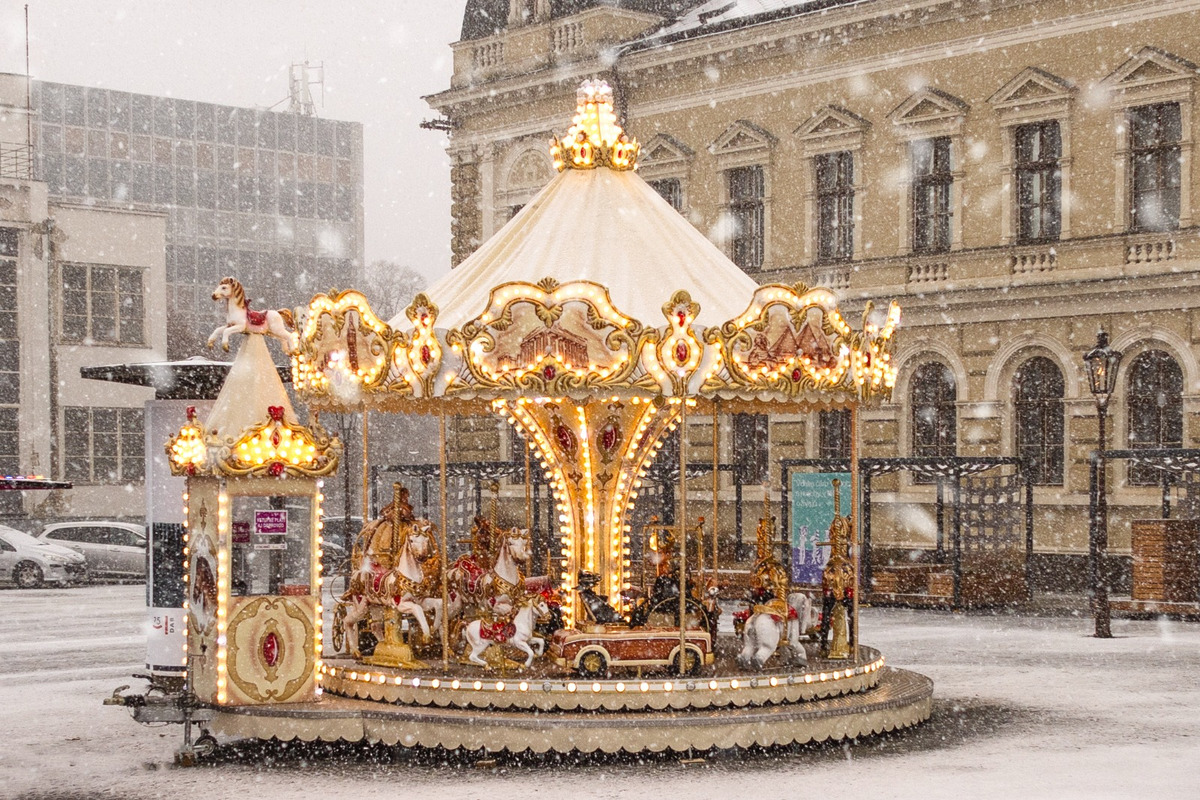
x=896 y=699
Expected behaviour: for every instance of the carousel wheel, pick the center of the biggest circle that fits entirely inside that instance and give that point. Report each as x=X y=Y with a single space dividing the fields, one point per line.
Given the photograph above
x=687 y=662
x=593 y=664
x=205 y=746
x=338 y=634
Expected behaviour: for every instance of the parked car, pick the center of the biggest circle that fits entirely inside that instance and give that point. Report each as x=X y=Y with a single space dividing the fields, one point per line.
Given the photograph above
x=112 y=549
x=30 y=562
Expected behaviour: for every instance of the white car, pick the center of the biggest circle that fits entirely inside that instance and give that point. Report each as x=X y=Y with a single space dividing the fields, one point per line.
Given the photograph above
x=112 y=549
x=29 y=563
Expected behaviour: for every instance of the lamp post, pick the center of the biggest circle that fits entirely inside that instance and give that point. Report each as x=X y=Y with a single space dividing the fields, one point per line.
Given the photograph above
x=1102 y=362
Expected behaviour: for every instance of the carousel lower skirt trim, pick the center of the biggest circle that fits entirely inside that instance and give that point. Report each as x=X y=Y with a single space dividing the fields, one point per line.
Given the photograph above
x=348 y=678
x=898 y=700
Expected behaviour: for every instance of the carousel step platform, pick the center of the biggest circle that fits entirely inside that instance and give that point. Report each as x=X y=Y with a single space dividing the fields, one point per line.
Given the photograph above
x=898 y=700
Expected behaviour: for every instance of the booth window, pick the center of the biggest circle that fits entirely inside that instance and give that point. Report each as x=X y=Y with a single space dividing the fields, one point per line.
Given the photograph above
x=747 y=191
x=1038 y=396
x=104 y=445
x=932 y=182
x=1038 y=148
x=103 y=304
x=934 y=413
x=271 y=545
x=1154 y=398
x=1155 y=133
x=671 y=190
x=835 y=206
x=834 y=434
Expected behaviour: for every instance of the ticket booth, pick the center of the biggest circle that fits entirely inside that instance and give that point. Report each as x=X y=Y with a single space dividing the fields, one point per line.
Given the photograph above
x=252 y=555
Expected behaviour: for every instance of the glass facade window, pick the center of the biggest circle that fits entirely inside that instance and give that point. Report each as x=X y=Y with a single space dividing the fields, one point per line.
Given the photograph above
x=1154 y=398
x=103 y=445
x=747 y=191
x=103 y=304
x=10 y=346
x=932 y=183
x=835 y=206
x=1155 y=135
x=1038 y=148
x=751 y=446
x=833 y=434
x=1038 y=404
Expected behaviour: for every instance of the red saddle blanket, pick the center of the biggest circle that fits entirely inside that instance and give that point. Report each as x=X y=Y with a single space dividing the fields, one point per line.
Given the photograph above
x=496 y=631
x=256 y=319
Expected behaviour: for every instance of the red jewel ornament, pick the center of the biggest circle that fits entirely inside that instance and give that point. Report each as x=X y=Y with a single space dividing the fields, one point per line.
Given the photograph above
x=549 y=372
x=796 y=375
x=608 y=438
x=682 y=318
x=681 y=353
x=270 y=649
x=276 y=469
x=426 y=355
x=566 y=439
x=275 y=412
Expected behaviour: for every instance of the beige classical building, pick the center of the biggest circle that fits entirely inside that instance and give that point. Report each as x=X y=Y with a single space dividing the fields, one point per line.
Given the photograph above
x=1017 y=173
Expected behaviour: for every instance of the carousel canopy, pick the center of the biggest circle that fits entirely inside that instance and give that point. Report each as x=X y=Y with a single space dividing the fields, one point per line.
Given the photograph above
x=608 y=227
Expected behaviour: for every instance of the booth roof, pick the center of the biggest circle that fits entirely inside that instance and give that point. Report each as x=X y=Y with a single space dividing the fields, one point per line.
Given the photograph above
x=251 y=387
x=604 y=226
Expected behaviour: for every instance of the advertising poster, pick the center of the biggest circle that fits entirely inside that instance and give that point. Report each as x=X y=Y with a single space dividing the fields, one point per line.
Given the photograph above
x=812 y=514
x=270 y=530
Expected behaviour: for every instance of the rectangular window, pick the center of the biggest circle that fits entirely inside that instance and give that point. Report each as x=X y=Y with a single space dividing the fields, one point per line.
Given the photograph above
x=835 y=206
x=932 y=181
x=671 y=190
x=747 y=190
x=10 y=347
x=1155 y=133
x=1038 y=147
x=103 y=445
x=751 y=440
x=103 y=304
x=834 y=434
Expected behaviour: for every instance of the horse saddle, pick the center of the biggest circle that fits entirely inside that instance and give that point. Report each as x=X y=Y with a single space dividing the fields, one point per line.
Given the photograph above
x=255 y=318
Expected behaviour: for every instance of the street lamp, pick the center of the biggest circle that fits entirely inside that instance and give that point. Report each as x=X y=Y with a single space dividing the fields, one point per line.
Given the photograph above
x=1102 y=362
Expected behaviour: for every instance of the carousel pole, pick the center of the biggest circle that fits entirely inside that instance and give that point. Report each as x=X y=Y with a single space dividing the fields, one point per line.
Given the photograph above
x=366 y=475
x=716 y=479
x=445 y=551
x=683 y=536
x=854 y=484
x=528 y=492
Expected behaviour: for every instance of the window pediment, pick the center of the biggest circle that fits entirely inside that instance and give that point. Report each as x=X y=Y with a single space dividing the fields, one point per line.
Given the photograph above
x=832 y=128
x=740 y=137
x=664 y=152
x=1151 y=75
x=929 y=112
x=1032 y=95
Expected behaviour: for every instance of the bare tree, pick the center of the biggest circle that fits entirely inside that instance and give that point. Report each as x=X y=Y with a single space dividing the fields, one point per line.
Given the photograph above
x=390 y=286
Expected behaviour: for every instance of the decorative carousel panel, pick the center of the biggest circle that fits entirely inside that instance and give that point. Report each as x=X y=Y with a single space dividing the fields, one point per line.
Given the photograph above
x=344 y=349
x=793 y=342
x=550 y=339
x=278 y=447
x=270 y=656
x=202 y=579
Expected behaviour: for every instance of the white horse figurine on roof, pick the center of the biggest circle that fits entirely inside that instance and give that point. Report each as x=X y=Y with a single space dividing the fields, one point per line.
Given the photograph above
x=239 y=318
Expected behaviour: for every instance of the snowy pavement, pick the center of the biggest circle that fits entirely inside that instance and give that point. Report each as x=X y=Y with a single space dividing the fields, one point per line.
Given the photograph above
x=1026 y=707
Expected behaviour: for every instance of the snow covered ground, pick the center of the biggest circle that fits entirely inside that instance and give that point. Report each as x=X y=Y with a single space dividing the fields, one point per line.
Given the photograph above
x=1027 y=707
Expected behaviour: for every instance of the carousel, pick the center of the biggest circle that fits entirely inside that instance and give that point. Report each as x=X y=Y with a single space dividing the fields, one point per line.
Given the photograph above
x=595 y=323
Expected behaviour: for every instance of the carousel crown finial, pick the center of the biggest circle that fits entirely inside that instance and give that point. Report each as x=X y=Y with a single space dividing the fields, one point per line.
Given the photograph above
x=595 y=139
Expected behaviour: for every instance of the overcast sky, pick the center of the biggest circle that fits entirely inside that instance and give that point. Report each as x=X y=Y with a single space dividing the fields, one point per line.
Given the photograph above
x=381 y=57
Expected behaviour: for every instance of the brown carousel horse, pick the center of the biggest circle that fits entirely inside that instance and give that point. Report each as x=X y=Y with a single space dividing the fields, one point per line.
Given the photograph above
x=240 y=318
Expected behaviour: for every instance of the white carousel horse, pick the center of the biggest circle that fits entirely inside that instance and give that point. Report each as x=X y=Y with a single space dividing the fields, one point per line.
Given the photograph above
x=764 y=630
x=478 y=634
x=495 y=591
x=401 y=586
x=240 y=318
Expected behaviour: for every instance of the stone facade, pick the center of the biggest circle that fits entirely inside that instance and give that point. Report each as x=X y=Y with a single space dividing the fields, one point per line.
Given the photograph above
x=993 y=264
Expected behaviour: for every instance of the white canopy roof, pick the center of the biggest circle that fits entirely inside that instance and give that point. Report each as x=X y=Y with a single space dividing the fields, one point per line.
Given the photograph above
x=605 y=226
x=251 y=387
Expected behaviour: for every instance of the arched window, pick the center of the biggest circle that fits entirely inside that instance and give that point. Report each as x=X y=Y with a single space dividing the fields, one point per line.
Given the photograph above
x=1038 y=396
x=1154 y=397
x=934 y=416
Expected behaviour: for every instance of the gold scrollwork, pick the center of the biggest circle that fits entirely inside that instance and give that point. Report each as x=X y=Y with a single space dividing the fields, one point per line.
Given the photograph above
x=247 y=615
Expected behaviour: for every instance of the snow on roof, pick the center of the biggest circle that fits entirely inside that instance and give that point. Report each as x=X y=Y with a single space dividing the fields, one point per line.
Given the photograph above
x=731 y=13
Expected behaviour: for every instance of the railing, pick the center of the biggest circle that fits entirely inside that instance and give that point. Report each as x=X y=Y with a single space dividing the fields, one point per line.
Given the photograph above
x=16 y=161
x=566 y=38
x=488 y=55
x=1033 y=261
x=1150 y=251
x=925 y=272
x=833 y=277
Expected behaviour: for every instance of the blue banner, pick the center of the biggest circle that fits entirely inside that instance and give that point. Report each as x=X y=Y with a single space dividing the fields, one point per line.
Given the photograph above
x=812 y=514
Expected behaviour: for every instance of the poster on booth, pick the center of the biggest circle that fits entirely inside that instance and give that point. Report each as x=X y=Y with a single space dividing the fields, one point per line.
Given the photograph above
x=812 y=514
x=165 y=640
x=270 y=529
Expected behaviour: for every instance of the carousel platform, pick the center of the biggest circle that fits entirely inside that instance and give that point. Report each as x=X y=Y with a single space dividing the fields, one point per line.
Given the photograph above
x=655 y=713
